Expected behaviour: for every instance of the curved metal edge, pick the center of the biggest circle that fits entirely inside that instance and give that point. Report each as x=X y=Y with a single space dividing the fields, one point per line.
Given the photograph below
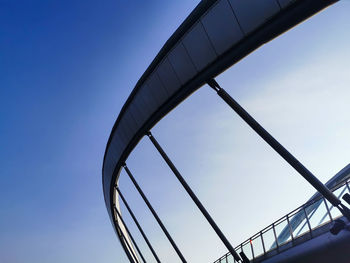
x=198 y=11
x=285 y=20
x=121 y=228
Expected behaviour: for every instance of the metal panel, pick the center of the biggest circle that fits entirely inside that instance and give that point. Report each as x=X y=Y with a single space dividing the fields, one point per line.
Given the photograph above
x=114 y=150
x=112 y=165
x=157 y=89
x=119 y=145
x=198 y=46
x=109 y=165
x=222 y=27
x=136 y=114
x=182 y=63
x=148 y=98
x=108 y=171
x=285 y=3
x=131 y=123
x=112 y=157
x=144 y=109
x=124 y=129
x=252 y=13
x=168 y=76
x=122 y=139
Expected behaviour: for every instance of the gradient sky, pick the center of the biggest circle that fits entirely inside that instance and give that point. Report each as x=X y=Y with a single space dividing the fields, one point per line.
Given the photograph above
x=67 y=67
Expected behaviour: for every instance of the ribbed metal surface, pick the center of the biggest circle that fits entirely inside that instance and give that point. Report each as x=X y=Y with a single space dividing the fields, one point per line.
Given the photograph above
x=216 y=35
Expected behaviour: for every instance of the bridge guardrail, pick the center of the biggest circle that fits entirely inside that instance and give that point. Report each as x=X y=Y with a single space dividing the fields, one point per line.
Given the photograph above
x=301 y=221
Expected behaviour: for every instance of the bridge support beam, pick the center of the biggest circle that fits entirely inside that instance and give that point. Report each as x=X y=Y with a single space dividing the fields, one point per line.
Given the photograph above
x=194 y=197
x=137 y=224
x=154 y=214
x=130 y=235
x=283 y=152
x=134 y=260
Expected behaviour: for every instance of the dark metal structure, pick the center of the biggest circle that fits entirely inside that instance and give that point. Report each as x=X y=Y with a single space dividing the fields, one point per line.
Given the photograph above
x=283 y=152
x=194 y=197
x=216 y=35
x=138 y=225
x=172 y=242
x=303 y=234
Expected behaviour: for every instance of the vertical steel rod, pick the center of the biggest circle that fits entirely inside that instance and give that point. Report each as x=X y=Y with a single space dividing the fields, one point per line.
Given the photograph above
x=328 y=211
x=311 y=214
x=283 y=152
x=137 y=224
x=251 y=247
x=347 y=185
x=290 y=228
x=128 y=245
x=307 y=220
x=154 y=214
x=194 y=197
x=274 y=233
x=262 y=241
x=130 y=235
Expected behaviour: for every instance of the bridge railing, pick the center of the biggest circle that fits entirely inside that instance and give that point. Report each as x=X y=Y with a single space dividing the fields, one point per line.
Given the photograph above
x=300 y=222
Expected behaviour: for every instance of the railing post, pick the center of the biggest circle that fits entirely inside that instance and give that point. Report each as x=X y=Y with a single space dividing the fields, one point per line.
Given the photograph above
x=347 y=186
x=283 y=152
x=154 y=214
x=274 y=233
x=262 y=241
x=137 y=224
x=244 y=257
x=290 y=228
x=251 y=246
x=328 y=211
x=130 y=235
x=194 y=197
x=307 y=220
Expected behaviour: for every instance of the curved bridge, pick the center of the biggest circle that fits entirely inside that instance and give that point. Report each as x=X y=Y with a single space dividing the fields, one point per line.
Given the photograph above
x=216 y=35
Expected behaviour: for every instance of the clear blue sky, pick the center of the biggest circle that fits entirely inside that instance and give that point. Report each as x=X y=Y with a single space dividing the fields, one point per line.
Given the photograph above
x=67 y=67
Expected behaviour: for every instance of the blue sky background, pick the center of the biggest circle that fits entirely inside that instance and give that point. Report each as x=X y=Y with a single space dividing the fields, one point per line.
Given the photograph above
x=67 y=67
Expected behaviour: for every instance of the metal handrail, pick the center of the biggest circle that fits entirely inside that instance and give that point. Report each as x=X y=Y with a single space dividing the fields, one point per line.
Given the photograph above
x=286 y=218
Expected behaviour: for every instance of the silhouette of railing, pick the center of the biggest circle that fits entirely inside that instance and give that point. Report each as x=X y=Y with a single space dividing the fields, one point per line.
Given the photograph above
x=300 y=222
